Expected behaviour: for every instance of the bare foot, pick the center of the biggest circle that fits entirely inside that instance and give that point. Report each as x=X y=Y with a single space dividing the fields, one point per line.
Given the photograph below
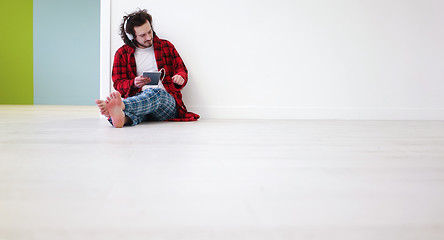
x=102 y=106
x=115 y=108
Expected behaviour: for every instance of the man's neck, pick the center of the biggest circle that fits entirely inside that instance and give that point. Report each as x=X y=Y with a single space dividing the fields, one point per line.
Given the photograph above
x=143 y=48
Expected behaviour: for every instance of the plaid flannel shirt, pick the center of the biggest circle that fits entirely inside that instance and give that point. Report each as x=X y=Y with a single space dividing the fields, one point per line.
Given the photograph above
x=124 y=72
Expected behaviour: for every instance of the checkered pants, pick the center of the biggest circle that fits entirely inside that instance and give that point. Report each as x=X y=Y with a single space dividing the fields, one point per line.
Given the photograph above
x=154 y=104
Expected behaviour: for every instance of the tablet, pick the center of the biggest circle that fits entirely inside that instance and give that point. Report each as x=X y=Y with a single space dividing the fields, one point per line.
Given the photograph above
x=154 y=76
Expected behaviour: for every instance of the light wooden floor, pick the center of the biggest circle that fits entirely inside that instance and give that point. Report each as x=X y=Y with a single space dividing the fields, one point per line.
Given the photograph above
x=65 y=173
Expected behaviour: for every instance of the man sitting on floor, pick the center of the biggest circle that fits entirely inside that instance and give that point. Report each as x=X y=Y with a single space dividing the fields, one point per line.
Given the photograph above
x=144 y=51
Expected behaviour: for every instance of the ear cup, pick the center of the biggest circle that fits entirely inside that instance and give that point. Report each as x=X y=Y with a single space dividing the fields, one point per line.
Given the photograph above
x=130 y=36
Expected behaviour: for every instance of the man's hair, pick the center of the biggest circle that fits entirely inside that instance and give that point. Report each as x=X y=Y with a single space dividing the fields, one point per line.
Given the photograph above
x=135 y=19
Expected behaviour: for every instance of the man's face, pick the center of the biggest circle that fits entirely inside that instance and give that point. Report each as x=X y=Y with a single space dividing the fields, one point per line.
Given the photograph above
x=144 y=35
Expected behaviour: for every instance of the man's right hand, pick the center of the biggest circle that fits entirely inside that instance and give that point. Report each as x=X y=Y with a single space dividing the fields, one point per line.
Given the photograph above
x=141 y=81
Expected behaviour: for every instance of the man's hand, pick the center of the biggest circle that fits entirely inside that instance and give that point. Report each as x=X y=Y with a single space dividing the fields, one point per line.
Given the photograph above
x=177 y=79
x=141 y=81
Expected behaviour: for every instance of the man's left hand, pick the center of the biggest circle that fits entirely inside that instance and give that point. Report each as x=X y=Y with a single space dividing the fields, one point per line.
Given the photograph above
x=177 y=79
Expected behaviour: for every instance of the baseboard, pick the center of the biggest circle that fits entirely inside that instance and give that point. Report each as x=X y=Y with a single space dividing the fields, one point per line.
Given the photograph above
x=318 y=113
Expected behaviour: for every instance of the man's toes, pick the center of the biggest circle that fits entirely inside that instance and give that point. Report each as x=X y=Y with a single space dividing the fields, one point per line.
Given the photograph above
x=115 y=95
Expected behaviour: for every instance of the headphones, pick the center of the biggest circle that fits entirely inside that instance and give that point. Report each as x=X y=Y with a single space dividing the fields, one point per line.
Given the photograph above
x=130 y=36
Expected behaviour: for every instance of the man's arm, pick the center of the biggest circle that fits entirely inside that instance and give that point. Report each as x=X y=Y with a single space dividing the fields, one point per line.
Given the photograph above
x=180 y=77
x=122 y=75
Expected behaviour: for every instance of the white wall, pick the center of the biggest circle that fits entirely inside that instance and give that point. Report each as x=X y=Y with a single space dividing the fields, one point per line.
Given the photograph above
x=304 y=59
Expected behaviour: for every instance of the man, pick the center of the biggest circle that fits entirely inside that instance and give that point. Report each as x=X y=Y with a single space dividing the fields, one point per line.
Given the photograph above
x=144 y=51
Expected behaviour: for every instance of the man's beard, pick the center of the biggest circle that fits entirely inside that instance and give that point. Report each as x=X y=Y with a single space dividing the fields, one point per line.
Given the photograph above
x=146 y=44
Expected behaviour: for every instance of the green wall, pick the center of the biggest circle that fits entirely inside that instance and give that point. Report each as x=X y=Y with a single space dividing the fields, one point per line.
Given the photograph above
x=16 y=54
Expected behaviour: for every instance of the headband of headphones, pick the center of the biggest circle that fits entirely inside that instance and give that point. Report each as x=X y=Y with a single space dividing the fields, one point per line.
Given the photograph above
x=130 y=36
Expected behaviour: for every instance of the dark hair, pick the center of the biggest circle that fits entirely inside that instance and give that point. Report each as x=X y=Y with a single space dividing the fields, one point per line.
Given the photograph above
x=135 y=19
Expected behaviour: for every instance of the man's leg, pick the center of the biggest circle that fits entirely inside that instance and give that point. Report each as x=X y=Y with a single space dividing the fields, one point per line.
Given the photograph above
x=133 y=110
x=167 y=108
x=150 y=101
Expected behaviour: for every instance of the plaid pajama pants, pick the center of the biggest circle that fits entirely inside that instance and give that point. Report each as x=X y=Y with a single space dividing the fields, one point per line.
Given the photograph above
x=154 y=104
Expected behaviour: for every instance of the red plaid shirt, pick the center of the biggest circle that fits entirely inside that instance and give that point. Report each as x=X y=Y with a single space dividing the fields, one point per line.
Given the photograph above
x=124 y=73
